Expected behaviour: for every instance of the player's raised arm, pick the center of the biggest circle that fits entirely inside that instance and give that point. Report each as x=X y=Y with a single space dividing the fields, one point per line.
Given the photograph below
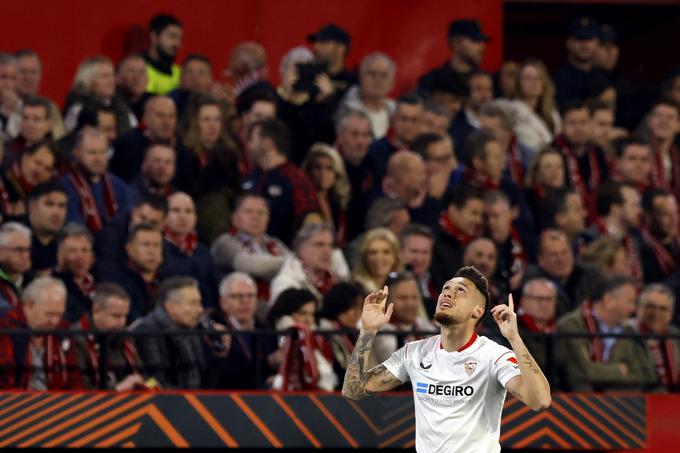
x=531 y=387
x=359 y=381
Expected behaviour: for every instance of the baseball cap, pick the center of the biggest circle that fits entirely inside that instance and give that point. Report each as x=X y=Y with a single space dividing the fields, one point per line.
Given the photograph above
x=469 y=28
x=584 y=27
x=330 y=32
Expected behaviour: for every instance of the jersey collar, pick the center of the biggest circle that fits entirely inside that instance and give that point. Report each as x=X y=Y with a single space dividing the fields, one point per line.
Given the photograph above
x=465 y=346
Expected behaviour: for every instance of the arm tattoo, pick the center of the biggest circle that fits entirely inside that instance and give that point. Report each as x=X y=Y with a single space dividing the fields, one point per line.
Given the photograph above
x=357 y=375
x=530 y=363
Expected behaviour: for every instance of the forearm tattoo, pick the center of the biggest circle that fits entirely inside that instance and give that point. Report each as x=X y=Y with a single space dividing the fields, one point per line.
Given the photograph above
x=356 y=374
x=530 y=363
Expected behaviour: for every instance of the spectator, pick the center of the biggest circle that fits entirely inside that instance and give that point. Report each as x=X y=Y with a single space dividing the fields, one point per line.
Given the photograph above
x=608 y=255
x=237 y=310
x=29 y=72
x=376 y=79
x=35 y=127
x=35 y=166
x=247 y=248
x=405 y=126
x=110 y=241
x=184 y=254
x=294 y=310
x=94 y=84
x=633 y=163
x=546 y=173
x=505 y=80
x=467 y=42
x=139 y=277
x=467 y=120
x=562 y=210
x=406 y=180
x=537 y=118
x=157 y=173
x=259 y=105
x=110 y=308
x=574 y=280
x=38 y=362
x=75 y=258
x=577 y=77
x=159 y=121
x=341 y=310
x=663 y=122
x=311 y=267
x=331 y=46
x=512 y=247
x=460 y=222
x=131 y=82
x=450 y=91
x=660 y=246
x=444 y=170
x=10 y=103
x=15 y=262
x=586 y=166
x=536 y=314
x=326 y=170
x=481 y=253
x=654 y=315
x=291 y=195
x=416 y=253
x=46 y=216
x=619 y=213
x=497 y=118
x=353 y=130
x=94 y=194
x=407 y=317
x=602 y=129
x=436 y=118
x=195 y=79
x=306 y=106
x=165 y=40
x=248 y=69
x=98 y=117
x=603 y=363
x=175 y=361
x=379 y=257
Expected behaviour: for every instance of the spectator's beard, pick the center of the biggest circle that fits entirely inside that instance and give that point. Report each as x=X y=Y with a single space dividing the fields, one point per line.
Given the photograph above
x=444 y=319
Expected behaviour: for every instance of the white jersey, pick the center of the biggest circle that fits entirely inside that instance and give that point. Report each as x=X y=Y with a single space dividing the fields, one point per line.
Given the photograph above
x=458 y=395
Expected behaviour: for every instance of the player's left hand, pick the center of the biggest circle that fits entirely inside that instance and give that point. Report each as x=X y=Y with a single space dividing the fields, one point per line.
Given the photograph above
x=505 y=317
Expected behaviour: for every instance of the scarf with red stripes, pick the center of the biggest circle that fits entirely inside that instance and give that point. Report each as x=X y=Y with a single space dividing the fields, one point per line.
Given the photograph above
x=187 y=243
x=299 y=369
x=665 y=260
x=529 y=323
x=664 y=357
x=88 y=205
x=585 y=188
x=453 y=231
x=596 y=343
x=658 y=174
x=515 y=163
x=253 y=246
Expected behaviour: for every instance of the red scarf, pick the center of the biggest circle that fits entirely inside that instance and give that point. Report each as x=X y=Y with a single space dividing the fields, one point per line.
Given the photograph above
x=659 y=175
x=586 y=189
x=665 y=359
x=299 y=368
x=187 y=243
x=515 y=163
x=88 y=204
x=323 y=283
x=86 y=285
x=129 y=351
x=519 y=257
x=479 y=180
x=453 y=231
x=20 y=178
x=529 y=323
x=596 y=343
x=632 y=255
x=665 y=260
x=249 y=243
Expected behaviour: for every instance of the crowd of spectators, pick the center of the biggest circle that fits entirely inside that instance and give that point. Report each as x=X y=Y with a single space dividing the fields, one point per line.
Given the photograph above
x=158 y=199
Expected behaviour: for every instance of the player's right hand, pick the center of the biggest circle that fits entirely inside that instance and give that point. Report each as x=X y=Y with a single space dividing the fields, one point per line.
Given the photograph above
x=374 y=315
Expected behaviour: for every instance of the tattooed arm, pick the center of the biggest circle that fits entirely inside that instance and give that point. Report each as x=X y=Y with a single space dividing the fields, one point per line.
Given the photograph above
x=359 y=381
x=531 y=387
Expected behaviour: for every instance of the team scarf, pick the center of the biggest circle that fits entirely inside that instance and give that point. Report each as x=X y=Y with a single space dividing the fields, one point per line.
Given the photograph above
x=529 y=322
x=22 y=184
x=323 y=281
x=518 y=256
x=187 y=243
x=5 y=202
x=299 y=369
x=666 y=262
x=665 y=357
x=596 y=343
x=585 y=189
x=453 y=231
x=632 y=255
x=658 y=174
x=93 y=351
x=515 y=163
x=88 y=204
x=479 y=180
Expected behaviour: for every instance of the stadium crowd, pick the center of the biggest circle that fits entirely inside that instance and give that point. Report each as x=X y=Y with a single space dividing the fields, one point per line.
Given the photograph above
x=158 y=199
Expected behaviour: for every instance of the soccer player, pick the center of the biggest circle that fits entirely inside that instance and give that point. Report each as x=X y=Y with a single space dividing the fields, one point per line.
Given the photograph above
x=459 y=379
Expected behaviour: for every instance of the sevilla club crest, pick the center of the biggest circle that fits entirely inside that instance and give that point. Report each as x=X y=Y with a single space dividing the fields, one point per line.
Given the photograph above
x=470 y=367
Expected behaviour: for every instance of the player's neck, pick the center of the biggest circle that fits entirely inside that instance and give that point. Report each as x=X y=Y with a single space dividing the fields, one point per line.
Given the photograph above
x=456 y=336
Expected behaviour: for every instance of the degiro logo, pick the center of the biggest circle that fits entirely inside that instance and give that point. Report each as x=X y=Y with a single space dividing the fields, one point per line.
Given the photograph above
x=448 y=390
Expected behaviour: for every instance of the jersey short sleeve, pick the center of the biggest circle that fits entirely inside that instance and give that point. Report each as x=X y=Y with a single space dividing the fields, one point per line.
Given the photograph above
x=505 y=366
x=397 y=364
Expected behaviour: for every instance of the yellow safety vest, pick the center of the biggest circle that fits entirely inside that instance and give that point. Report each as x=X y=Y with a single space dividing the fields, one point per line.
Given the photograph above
x=160 y=82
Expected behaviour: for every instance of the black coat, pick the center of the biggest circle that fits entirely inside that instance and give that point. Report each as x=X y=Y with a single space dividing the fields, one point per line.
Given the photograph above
x=200 y=265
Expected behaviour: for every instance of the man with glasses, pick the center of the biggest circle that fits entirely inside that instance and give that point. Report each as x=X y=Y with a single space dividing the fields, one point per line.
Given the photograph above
x=15 y=261
x=536 y=314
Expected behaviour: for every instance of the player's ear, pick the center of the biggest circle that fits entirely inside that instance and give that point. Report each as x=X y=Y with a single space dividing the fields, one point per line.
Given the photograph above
x=478 y=311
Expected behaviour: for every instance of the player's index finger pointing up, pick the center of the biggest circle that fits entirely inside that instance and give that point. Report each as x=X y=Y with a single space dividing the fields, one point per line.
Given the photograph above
x=511 y=304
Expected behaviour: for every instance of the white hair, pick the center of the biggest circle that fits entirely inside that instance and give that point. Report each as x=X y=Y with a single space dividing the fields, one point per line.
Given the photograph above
x=299 y=54
x=232 y=278
x=86 y=71
x=377 y=56
x=9 y=228
x=41 y=286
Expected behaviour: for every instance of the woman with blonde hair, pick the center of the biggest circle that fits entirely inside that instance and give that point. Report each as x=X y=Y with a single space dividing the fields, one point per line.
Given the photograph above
x=378 y=258
x=94 y=85
x=325 y=168
x=538 y=119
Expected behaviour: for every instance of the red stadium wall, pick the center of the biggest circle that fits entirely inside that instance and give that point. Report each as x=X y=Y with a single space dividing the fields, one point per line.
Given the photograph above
x=65 y=31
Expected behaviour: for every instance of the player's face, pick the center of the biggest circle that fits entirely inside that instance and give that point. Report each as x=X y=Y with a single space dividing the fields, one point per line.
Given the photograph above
x=458 y=301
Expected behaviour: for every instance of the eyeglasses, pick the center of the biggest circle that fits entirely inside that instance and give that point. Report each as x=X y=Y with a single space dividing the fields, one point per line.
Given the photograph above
x=243 y=296
x=540 y=298
x=18 y=249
